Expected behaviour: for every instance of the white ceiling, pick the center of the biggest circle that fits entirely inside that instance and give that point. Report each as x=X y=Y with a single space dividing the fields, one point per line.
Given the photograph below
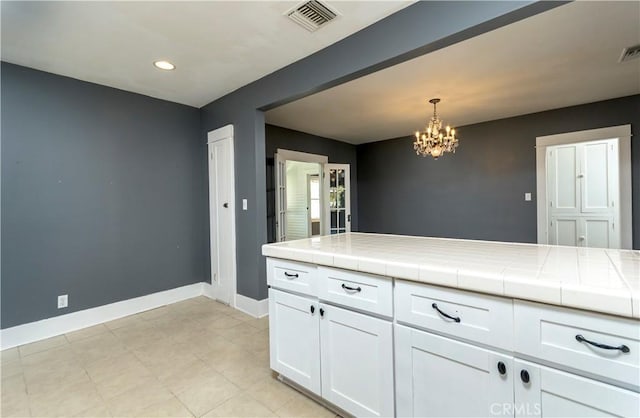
x=217 y=46
x=565 y=56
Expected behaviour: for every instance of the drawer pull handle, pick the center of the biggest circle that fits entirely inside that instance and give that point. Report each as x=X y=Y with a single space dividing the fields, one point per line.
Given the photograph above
x=352 y=289
x=291 y=275
x=622 y=347
x=454 y=318
x=502 y=369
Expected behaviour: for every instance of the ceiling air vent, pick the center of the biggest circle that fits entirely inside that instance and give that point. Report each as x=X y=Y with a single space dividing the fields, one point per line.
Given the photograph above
x=311 y=15
x=630 y=53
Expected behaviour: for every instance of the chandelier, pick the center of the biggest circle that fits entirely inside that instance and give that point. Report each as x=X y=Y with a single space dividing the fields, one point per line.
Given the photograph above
x=433 y=141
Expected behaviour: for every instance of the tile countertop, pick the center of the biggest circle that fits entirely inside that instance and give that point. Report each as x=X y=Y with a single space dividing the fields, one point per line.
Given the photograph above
x=594 y=279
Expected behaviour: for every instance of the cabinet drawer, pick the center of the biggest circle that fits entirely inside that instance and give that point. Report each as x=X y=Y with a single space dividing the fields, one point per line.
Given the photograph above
x=469 y=316
x=361 y=291
x=562 y=336
x=289 y=275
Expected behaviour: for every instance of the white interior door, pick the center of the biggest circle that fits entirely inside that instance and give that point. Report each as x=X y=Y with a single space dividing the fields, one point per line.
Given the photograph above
x=222 y=214
x=281 y=198
x=337 y=178
x=562 y=181
x=603 y=189
x=599 y=181
x=583 y=194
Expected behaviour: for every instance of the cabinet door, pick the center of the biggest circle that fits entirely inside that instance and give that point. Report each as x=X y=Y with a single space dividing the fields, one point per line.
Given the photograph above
x=564 y=230
x=548 y=392
x=599 y=175
x=440 y=377
x=598 y=232
x=562 y=179
x=357 y=362
x=294 y=338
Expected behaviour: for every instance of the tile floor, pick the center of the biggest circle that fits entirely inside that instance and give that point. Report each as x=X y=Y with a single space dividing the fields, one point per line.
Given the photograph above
x=193 y=358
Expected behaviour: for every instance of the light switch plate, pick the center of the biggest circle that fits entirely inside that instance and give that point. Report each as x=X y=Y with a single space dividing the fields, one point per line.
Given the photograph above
x=63 y=301
x=244 y=204
x=527 y=197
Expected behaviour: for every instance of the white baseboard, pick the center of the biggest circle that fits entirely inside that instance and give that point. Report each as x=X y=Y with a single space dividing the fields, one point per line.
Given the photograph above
x=207 y=290
x=255 y=308
x=50 y=327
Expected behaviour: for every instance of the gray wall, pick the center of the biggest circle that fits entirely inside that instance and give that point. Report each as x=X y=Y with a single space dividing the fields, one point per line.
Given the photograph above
x=336 y=151
x=103 y=195
x=416 y=30
x=478 y=193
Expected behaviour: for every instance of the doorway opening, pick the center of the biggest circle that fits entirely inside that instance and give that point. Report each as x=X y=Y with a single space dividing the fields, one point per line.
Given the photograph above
x=297 y=210
x=312 y=197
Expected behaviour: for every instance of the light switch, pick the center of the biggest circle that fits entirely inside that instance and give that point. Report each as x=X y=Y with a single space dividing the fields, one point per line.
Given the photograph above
x=527 y=197
x=244 y=204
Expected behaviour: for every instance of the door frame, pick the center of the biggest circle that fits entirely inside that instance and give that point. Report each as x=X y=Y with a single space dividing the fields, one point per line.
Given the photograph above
x=623 y=134
x=225 y=133
x=305 y=157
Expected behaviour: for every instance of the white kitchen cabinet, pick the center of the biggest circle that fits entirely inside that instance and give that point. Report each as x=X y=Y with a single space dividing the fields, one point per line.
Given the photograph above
x=544 y=392
x=294 y=338
x=357 y=362
x=346 y=357
x=440 y=377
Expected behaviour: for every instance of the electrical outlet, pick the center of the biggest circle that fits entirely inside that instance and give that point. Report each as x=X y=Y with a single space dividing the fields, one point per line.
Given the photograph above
x=63 y=301
x=244 y=204
x=527 y=197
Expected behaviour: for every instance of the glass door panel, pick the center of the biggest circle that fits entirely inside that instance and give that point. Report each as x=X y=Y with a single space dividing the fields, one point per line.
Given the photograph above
x=337 y=181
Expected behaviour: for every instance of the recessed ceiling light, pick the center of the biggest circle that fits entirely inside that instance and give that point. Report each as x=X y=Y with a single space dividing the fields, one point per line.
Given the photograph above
x=164 y=65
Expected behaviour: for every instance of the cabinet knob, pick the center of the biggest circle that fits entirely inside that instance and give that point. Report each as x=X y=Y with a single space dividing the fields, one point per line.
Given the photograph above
x=321 y=312
x=502 y=369
x=313 y=309
x=524 y=375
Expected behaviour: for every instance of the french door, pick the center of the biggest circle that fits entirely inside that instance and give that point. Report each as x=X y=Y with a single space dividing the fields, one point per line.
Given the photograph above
x=334 y=199
x=337 y=179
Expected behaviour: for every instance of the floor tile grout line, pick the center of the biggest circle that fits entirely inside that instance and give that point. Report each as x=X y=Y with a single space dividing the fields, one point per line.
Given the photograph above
x=246 y=334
